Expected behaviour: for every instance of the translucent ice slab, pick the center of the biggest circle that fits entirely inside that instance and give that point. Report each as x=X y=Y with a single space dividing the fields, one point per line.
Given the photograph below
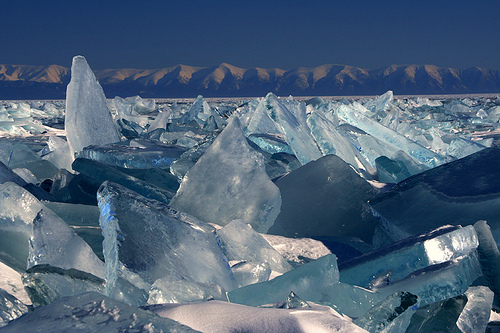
x=102 y=172
x=138 y=154
x=54 y=243
x=229 y=182
x=400 y=259
x=306 y=281
x=460 y=192
x=88 y=120
x=391 y=315
x=155 y=241
x=241 y=242
x=316 y=193
x=439 y=282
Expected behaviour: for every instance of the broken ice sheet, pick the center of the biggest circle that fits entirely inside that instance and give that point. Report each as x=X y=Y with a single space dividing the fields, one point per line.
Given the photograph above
x=241 y=242
x=102 y=172
x=134 y=154
x=306 y=280
x=238 y=188
x=439 y=282
x=155 y=241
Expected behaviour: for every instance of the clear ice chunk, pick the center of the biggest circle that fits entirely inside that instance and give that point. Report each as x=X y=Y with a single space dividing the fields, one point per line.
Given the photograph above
x=316 y=193
x=402 y=258
x=477 y=311
x=93 y=312
x=306 y=280
x=88 y=120
x=54 y=243
x=16 y=225
x=297 y=251
x=184 y=291
x=238 y=188
x=438 y=317
x=250 y=272
x=391 y=315
x=241 y=242
x=391 y=171
x=155 y=241
x=46 y=284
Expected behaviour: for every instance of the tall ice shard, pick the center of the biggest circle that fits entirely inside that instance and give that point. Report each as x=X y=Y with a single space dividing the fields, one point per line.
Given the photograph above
x=88 y=120
x=229 y=182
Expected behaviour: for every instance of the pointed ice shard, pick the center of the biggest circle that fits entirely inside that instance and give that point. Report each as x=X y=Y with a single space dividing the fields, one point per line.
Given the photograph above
x=155 y=241
x=237 y=188
x=88 y=120
x=241 y=242
x=296 y=134
x=293 y=302
x=330 y=141
x=390 y=137
x=306 y=280
x=55 y=244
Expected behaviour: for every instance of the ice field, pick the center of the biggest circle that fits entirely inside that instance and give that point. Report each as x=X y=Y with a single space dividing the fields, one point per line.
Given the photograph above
x=266 y=214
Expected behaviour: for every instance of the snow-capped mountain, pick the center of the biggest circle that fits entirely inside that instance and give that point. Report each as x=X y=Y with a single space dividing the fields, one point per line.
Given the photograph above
x=225 y=80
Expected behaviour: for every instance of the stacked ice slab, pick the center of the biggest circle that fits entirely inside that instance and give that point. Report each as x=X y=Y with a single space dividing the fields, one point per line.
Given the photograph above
x=173 y=215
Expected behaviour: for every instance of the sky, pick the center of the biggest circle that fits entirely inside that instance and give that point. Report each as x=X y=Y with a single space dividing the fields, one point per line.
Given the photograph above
x=254 y=33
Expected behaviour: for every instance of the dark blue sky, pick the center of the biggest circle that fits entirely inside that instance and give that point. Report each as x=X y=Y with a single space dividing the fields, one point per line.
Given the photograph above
x=284 y=34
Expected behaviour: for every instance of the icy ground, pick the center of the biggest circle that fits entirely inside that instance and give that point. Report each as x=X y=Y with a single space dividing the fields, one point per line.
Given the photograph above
x=270 y=214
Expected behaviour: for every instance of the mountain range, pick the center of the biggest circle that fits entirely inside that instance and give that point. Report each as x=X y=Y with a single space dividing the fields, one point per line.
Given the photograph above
x=225 y=80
